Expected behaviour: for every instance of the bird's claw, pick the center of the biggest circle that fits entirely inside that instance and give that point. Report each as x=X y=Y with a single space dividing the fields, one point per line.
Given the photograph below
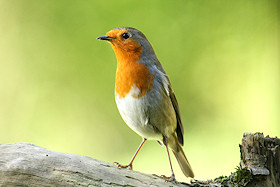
x=129 y=166
x=169 y=179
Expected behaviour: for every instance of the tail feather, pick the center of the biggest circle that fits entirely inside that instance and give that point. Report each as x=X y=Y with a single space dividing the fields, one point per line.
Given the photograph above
x=183 y=162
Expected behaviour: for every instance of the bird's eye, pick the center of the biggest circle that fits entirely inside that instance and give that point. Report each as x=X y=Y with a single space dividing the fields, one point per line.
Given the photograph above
x=125 y=35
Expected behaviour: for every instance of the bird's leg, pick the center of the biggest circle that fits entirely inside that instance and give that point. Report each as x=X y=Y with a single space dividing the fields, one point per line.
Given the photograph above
x=172 y=177
x=129 y=166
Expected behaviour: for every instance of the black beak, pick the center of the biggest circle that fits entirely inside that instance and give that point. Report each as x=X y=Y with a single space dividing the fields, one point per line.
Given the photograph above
x=104 y=38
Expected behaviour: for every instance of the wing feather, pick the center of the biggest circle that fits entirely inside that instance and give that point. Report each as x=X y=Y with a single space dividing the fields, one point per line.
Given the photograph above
x=179 y=129
x=169 y=91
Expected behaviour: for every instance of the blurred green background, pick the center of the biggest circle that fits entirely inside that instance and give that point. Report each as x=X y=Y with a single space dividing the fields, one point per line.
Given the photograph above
x=57 y=80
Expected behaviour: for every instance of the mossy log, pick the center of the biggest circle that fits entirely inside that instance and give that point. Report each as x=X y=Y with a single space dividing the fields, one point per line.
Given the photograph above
x=25 y=164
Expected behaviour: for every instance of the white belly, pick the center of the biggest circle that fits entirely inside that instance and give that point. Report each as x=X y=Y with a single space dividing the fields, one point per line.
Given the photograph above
x=134 y=112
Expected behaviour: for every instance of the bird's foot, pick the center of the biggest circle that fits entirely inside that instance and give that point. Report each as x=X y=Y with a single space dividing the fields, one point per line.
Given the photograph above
x=169 y=179
x=129 y=166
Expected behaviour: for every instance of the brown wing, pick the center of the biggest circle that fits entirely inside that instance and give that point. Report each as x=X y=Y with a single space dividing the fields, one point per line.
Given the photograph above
x=169 y=90
x=179 y=129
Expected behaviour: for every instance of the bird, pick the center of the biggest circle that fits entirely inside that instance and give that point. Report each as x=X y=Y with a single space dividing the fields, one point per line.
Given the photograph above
x=144 y=96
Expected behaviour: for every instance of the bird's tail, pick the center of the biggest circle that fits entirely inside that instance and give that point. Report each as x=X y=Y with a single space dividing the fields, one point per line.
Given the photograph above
x=183 y=161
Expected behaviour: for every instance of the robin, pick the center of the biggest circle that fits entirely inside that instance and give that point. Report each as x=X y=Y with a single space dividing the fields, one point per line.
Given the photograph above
x=144 y=95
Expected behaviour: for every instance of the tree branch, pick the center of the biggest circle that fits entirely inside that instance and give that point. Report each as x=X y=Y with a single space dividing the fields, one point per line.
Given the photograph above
x=25 y=164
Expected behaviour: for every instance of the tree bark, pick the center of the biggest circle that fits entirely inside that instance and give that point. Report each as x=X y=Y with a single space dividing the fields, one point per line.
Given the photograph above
x=261 y=155
x=25 y=164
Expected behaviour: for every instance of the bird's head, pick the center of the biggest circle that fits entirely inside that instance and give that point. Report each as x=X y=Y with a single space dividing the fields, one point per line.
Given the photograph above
x=128 y=42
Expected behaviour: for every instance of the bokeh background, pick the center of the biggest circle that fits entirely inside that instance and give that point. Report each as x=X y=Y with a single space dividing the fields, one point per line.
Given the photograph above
x=57 y=80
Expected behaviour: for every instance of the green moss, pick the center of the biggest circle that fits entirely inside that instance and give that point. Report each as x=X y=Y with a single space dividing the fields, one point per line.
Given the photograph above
x=241 y=177
x=222 y=179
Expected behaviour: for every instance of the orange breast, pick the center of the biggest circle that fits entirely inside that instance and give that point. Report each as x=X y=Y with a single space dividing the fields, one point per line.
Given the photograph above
x=130 y=72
